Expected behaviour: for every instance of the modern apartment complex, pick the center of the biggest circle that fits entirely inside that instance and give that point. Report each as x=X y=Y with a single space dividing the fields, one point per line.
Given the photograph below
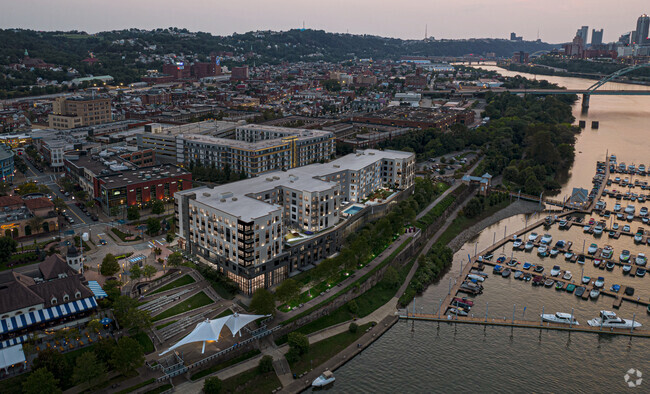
x=239 y=228
x=79 y=111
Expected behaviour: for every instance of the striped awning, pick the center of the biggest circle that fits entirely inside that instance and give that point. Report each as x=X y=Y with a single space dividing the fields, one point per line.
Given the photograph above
x=13 y=341
x=25 y=320
x=97 y=290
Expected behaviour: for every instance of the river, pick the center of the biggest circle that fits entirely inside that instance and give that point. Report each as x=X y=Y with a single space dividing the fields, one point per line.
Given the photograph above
x=431 y=357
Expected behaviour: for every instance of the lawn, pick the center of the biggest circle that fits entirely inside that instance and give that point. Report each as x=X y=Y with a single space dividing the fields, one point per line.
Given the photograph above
x=144 y=341
x=166 y=324
x=251 y=382
x=137 y=386
x=123 y=236
x=194 y=302
x=182 y=281
x=225 y=313
x=435 y=212
x=462 y=223
x=225 y=364
x=322 y=351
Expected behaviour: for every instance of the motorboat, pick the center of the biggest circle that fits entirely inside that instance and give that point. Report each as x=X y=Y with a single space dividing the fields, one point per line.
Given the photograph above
x=612 y=234
x=542 y=250
x=506 y=272
x=559 y=285
x=600 y=282
x=478 y=278
x=581 y=259
x=586 y=280
x=627 y=268
x=607 y=252
x=518 y=274
x=538 y=280
x=626 y=229
x=549 y=282
x=457 y=311
x=512 y=263
x=568 y=255
x=555 y=271
x=497 y=269
x=598 y=229
x=617 y=207
x=539 y=268
x=516 y=244
x=324 y=379
x=567 y=275
x=554 y=252
x=630 y=209
x=586 y=228
x=629 y=217
x=610 y=266
x=501 y=259
x=461 y=305
x=471 y=287
x=638 y=237
x=464 y=300
x=629 y=291
x=546 y=239
x=559 y=317
x=615 y=226
x=560 y=244
x=570 y=287
x=592 y=249
x=624 y=256
x=529 y=245
x=528 y=276
x=563 y=223
x=609 y=319
x=615 y=288
x=594 y=293
x=527 y=265
x=644 y=211
x=640 y=272
x=533 y=236
x=579 y=291
x=597 y=262
x=641 y=259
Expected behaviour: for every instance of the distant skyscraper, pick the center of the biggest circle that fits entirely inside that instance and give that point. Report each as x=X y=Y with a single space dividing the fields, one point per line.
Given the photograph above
x=583 y=32
x=596 y=37
x=642 y=24
x=624 y=39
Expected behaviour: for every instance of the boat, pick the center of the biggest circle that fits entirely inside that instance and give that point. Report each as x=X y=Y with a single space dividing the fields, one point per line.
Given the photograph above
x=581 y=259
x=617 y=207
x=630 y=209
x=464 y=300
x=461 y=305
x=457 y=311
x=560 y=244
x=528 y=276
x=638 y=237
x=609 y=319
x=470 y=287
x=501 y=259
x=570 y=287
x=559 y=317
x=586 y=228
x=478 y=278
x=546 y=239
x=592 y=249
x=539 y=268
x=538 y=280
x=615 y=226
x=612 y=234
x=579 y=291
x=598 y=230
x=563 y=223
x=529 y=245
x=549 y=282
x=594 y=293
x=610 y=265
x=627 y=268
x=567 y=275
x=512 y=263
x=527 y=265
x=323 y=380
x=624 y=256
x=568 y=255
x=559 y=285
x=533 y=236
x=506 y=272
x=542 y=250
x=597 y=262
x=615 y=288
x=640 y=272
x=586 y=279
x=497 y=269
x=554 y=252
x=600 y=282
x=555 y=271
x=607 y=252
x=641 y=259
x=626 y=229
x=519 y=274
x=516 y=244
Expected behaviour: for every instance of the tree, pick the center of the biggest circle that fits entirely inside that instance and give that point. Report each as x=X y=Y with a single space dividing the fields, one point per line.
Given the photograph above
x=149 y=271
x=153 y=226
x=175 y=259
x=41 y=381
x=298 y=346
x=391 y=277
x=115 y=211
x=157 y=207
x=109 y=266
x=353 y=307
x=7 y=248
x=263 y=302
x=104 y=349
x=94 y=325
x=127 y=313
x=353 y=328
x=266 y=364
x=287 y=290
x=133 y=213
x=127 y=355
x=212 y=385
x=88 y=369
x=135 y=272
x=59 y=203
x=54 y=362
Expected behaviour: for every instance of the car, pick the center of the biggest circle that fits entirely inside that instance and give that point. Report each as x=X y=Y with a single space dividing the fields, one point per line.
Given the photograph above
x=102 y=241
x=94 y=218
x=71 y=221
x=66 y=194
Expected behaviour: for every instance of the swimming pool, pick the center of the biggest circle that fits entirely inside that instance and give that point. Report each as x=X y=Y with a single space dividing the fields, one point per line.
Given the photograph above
x=353 y=209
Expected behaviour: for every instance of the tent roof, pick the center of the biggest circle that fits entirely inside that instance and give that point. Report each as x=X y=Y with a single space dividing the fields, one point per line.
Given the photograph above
x=236 y=322
x=11 y=356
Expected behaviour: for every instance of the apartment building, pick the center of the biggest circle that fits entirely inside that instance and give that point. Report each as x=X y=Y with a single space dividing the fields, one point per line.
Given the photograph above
x=79 y=111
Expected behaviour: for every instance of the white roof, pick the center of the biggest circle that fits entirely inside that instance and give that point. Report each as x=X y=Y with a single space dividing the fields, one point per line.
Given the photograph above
x=11 y=356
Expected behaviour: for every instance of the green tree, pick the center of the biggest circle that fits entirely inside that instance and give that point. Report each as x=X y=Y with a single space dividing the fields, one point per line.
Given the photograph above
x=353 y=307
x=94 y=325
x=88 y=369
x=212 y=385
x=7 y=248
x=41 y=381
x=153 y=226
x=266 y=364
x=175 y=259
x=115 y=211
x=263 y=302
x=54 y=362
x=298 y=346
x=128 y=315
x=353 y=328
x=149 y=271
x=391 y=277
x=109 y=266
x=135 y=272
x=127 y=355
x=133 y=213
x=104 y=349
x=157 y=207
x=287 y=290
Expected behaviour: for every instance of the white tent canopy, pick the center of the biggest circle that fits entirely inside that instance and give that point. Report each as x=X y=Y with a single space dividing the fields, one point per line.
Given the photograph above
x=11 y=356
x=209 y=330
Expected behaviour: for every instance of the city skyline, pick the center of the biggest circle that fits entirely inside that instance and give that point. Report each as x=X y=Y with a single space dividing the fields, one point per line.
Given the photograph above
x=555 y=20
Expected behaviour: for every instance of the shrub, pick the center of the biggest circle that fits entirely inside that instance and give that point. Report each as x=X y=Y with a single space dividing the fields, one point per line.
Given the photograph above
x=353 y=328
x=266 y=364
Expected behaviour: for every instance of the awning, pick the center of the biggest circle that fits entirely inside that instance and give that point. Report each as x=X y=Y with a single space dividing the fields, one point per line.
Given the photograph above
x=11 y=356
x=13 y=341
x=42 y=315
x=97 y=289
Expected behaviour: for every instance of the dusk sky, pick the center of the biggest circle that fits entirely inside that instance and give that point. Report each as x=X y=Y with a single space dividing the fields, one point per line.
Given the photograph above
x=557 y=20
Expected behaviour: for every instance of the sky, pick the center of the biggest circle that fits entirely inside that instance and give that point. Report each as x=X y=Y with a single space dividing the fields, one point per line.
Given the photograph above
x=556 y=20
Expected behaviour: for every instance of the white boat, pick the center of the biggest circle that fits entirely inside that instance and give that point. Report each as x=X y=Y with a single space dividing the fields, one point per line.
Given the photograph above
x=568 y=255
x=479 y=278
x=600 y=282
x=555 y=271
x=638 y=237
x=615 y=226
x=546 y=239
x=594 y=293
x=517 y=243
x=567 y=275
x=592 y=249
x=641 y=259
x=585 y=280
x=554 y=252
x=643 y=212
x=598 y=229
x=559 y=317
x=625 y=256
x=627 y=268
x=326 y=378
x=542 y=250
x=607 y=252
x=529 y=245
x=533 y=236
x=630 y=209
x=609 y=319
x=617 y=207
x=457 y=311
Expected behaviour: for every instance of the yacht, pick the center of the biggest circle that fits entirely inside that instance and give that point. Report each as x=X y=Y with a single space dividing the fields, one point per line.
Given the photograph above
x=567 y=275
x=627 y=268
x=625 y=256
x=644 y=211
x=559 y=317
x=617 y=207
x=594 y=293
x=542 y=250
x=609 y=319
x=600 y=282
x=516 y=244
x=529 y=245
x=598 y=230
x=478 y=278
x=638 y=237
x=568 y=255
x=533 y=236
x=554 y=252
x=630 y=209
x=607 y=252
x=592 y=249
x=585 y=280
x=546 y=239
x=555 y=271
x=641 y=259
x=326 y=378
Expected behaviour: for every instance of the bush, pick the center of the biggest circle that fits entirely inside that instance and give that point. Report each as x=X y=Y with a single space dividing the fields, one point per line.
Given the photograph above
x=353 y=307
x=353 y=328
x=212 y=385
x=266 y=364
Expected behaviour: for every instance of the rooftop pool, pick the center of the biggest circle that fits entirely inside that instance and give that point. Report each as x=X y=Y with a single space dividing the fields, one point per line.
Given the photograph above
x=353 y=209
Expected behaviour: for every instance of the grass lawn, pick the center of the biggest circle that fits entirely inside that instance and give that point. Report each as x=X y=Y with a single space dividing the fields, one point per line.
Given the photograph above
x=160 y=389
x=182 y=281
x=196 y=301
x=14 y=385
x=122 y=235
x=322 y=351
x=435 y=212
x=137 y=386
x=225 y=364
x=461 y=223
x=144 y=341
x=251 y=382
x=225 y=313
x=166 y=324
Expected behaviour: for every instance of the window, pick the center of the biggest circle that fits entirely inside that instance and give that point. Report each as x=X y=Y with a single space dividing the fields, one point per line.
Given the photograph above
x=66 y=298
x=53 y=301
x=77 y=294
